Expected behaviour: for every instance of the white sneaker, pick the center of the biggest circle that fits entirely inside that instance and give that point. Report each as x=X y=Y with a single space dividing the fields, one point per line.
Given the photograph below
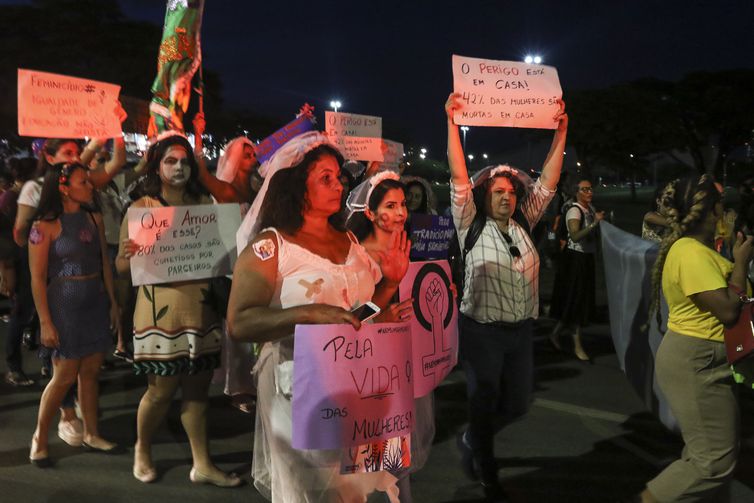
x=71 y=432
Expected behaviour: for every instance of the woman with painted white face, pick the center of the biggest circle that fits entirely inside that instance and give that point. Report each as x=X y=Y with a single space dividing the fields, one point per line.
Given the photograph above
x=176 y=334
x=303 y=268
x=71 y=286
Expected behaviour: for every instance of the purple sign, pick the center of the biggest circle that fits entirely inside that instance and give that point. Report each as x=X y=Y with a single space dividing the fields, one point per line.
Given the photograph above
x=351 y=388
x=434 y=327
x=430 y=236
x=269 y=145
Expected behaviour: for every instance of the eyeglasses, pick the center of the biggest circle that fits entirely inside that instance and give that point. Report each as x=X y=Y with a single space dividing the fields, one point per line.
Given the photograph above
x=515 y=252
x=585 y=189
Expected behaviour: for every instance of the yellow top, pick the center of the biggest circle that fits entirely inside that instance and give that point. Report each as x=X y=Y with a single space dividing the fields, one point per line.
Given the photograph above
x=692 y=268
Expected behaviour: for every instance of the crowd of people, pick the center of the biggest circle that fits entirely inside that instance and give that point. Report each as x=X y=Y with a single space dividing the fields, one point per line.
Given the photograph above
x=322 y=237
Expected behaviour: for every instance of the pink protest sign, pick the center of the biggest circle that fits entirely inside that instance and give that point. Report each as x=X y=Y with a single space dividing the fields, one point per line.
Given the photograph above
x=59 y=106
x=434 y=327
x=351 y=388
x=505 y=93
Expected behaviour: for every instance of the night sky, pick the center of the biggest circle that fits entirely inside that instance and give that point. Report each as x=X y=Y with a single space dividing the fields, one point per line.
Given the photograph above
x=392 y=58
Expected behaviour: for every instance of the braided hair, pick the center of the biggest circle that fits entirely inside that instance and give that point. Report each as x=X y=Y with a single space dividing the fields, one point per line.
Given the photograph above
x=685 y=203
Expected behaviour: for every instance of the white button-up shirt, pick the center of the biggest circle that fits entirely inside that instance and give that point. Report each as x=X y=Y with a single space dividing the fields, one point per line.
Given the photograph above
x=497 y=286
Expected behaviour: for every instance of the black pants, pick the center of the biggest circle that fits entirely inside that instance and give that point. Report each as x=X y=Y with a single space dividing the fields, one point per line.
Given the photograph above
x=21 y=315
x=498 y=362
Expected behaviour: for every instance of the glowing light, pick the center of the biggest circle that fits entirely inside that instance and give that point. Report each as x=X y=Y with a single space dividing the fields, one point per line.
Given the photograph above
x=484 y=155
x=422 y=156
x=335 y=104
x=423 y=150
x=471 y=157
x=528 y=60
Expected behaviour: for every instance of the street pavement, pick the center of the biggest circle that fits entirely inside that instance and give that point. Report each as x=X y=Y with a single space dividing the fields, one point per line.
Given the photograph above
x=587 y=438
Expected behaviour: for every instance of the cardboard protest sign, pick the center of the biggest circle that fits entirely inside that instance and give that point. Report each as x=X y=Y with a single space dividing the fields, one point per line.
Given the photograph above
x=359 y=137
x=179 y=243
x=505 y=93
x=351 y=388
x=434 y=327
x=430 y=235
x=269 y=145
x=343 y=124
x=392 y=154
x=59 y=106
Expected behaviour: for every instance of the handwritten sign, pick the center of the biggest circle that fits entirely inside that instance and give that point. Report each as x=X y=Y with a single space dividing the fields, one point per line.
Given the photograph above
x=342 y=124
x=505 y=93
x=272 y=143
x=59 y=106
x=359 y=137
x=392 y=154
x=179 y=243
x=351 y=388
x=434 y=327
x=430 y=235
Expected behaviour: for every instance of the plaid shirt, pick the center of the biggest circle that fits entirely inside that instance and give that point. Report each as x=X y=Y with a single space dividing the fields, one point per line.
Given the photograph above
x=498 y=287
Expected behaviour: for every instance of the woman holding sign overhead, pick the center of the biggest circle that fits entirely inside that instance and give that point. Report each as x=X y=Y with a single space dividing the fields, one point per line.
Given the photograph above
x=176 y=332
x=302 y=268
x=493 y=213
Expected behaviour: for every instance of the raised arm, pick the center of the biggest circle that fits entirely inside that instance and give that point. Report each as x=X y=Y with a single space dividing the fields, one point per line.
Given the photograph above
x=249 y=316
x=554 y=161
x=459 y=175
x=103 y=174
x=224 y=192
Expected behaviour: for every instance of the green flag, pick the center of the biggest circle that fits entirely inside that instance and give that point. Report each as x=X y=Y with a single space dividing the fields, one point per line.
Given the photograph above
x=179 y=57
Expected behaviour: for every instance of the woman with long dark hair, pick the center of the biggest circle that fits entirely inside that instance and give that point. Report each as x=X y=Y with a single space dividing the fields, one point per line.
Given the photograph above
x=377 y=208
x=71 y=287
x=303 y=268
x=173 y=311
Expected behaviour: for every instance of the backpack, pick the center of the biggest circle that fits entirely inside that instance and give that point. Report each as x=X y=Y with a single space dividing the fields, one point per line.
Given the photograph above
x=457 y=257
x=561 y=231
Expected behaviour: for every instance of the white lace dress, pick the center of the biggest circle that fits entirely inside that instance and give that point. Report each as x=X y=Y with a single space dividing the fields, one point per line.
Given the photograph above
x=281 y=473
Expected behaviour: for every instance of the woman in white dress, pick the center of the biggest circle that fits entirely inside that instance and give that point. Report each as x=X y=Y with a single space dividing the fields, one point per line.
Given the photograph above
x=303 y=268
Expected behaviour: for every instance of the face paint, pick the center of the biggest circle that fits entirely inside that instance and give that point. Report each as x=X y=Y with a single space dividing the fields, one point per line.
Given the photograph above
x=264 y=249
x=36 y=236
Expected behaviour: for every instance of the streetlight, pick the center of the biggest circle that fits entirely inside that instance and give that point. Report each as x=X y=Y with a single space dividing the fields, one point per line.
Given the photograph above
x=423 y=150
x=484 y=155
x=464 y=130
x=471 y=157
x=529 y=59
x=335 y=104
